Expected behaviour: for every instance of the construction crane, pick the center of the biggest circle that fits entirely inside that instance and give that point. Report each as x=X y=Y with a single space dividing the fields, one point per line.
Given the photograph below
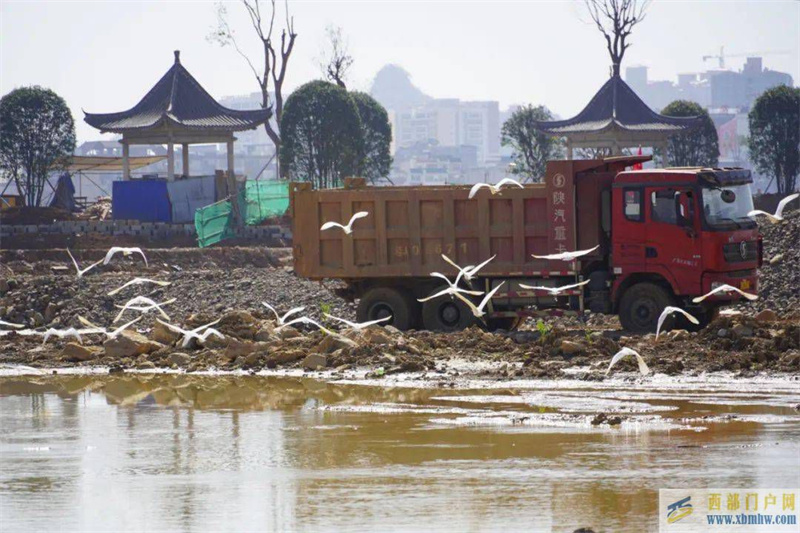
x=722 y=55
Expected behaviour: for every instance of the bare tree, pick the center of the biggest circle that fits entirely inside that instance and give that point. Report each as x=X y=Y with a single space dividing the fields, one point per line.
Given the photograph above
x=615 y=19
x=336 y=59
x=275 y=57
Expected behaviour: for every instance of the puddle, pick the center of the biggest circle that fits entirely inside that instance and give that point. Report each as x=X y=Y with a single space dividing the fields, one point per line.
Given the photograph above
x=176 y=452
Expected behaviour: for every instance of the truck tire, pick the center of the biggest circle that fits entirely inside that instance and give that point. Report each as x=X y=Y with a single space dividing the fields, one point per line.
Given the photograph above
x=641 y=306
x=446 y=314
x=381 y=302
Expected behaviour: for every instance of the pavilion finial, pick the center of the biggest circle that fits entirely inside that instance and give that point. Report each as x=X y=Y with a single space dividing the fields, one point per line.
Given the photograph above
x=177 y=56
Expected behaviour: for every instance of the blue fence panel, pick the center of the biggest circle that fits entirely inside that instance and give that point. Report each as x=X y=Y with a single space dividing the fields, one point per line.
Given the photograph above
x=143 y=200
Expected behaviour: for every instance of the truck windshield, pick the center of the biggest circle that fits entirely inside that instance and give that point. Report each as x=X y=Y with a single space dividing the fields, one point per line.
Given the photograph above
x=719 y=213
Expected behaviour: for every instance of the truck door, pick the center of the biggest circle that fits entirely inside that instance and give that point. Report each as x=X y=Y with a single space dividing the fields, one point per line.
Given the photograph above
x=628 y=229
x=672 y=246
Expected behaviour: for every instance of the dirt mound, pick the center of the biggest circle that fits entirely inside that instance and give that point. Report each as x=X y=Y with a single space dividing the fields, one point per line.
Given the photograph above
x=779 y=276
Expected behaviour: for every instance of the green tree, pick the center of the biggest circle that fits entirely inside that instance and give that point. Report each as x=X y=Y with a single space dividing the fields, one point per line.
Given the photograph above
x=775 y=136
x=532 y=149
x=695 y=148
x=37 y=136
x=376 y=160
x=321 y=134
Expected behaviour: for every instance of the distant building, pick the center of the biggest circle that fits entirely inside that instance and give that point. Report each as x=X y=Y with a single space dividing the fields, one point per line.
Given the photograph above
x=711 y=89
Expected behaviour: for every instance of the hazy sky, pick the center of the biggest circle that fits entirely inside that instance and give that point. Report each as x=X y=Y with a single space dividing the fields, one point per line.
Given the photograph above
x=104 y=56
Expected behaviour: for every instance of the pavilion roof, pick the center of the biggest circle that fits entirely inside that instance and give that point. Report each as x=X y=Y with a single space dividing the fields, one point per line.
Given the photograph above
x=617 y=107
x=178 y=99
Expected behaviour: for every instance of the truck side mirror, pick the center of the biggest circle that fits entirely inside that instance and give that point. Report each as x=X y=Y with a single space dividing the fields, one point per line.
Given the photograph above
x=728 y=196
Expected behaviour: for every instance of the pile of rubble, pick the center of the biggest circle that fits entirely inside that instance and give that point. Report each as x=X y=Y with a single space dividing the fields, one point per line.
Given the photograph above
x=745 y=345
x=779 y=277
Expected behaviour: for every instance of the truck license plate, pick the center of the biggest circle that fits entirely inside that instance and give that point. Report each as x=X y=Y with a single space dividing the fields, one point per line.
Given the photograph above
x=745 y=284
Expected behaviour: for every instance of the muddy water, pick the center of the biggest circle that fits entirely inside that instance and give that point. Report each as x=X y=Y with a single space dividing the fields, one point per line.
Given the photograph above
x=180 y=453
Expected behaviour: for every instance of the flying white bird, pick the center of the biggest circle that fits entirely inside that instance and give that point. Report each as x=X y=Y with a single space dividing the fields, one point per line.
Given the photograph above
x=553 y=290
x=148 y=306
x=110 y=334
x=625 y=352
x=124 y=251
x=282 y=319
x=359 y=326
x=493 y=188
x=468 y=272
x=479 y=311
x=85 y=270
x=778 y=216
x=668 y=310
x=566 y=256
x=452 y=289
x=729 y=312
x=195 y=333
x=11 y=325
x=305 y=320
x=348 y=229
x=725 y=288
x=69 y=332
x=140 y=281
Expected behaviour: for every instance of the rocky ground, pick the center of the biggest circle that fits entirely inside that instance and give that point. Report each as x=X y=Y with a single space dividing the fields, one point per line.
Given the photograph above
x=39 y=288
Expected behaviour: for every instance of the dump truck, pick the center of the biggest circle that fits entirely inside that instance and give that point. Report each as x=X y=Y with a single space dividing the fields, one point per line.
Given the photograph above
x=658 y=237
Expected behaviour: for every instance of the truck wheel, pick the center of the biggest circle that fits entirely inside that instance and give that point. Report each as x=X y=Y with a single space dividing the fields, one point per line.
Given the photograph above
x=641 y=306
x=381 y=302
x=444 y=314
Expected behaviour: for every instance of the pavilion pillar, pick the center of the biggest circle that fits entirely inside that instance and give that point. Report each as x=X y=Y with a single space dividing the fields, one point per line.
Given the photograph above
x=170 y=161
x=233 y=190
x=126 y=164
x=185 y=157
x=569 y=150
x=664 y=153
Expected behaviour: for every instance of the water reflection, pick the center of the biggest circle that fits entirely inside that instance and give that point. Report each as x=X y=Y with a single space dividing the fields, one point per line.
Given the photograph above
x=186 y=453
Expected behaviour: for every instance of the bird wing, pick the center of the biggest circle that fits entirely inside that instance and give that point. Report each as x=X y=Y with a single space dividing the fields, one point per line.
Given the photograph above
x=508 y=181
x=128 y=284
x=452 y=263
x=329 y=225
x=471 y=271
x=373 y=322
x=488 y=296
x=462 y=291
x=782 y=203
x=432 y=296
x=756 y=212
x=643 y=368
x=344 y=321
x=86 y=322
x=291 y=312
x=475 y=311
x=536 y=288
x=77 y=268
x=317 y=324
x=721 y=288
x=619 y=355
x=87 y=269
x=582 y=252
x=440 y=275
x=11 y=324
x=574 y=285
x=110 y=254
x=548 y=257
x=277 y=316
x=360 y=214
x=747 y=295
x=140 y=252
x=205 y=326
x=668 y=310
x=475 y=188
x=173 y=327
x=123 y=327
x=210 y=331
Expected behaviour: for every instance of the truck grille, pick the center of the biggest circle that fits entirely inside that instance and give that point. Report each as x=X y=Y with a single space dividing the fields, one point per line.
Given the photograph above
x=737 y=252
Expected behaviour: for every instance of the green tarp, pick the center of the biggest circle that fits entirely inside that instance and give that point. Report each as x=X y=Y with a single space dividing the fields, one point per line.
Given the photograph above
x=259 y=200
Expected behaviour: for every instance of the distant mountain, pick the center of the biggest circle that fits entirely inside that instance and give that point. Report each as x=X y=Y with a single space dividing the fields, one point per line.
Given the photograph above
x=392 y=87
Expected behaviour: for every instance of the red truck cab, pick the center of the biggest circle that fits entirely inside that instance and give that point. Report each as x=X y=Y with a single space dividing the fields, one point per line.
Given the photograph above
x=678 y=233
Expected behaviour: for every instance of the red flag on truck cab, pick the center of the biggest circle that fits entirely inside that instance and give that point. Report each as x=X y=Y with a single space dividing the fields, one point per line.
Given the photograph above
x=638 y=166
